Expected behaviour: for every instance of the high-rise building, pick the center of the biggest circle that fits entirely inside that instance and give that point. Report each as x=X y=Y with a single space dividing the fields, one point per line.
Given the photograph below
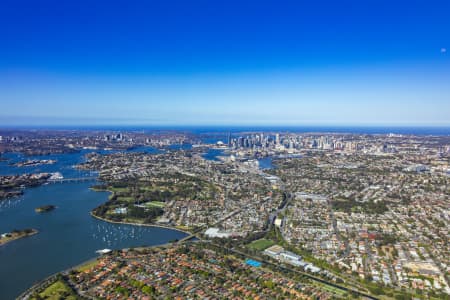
x=240 y=141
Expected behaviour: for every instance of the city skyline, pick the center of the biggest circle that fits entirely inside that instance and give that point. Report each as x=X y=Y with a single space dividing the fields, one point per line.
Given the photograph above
x=293 y=64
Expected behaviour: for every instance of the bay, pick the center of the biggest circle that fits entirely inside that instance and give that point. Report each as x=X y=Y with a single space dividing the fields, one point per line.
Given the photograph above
x=67 y=235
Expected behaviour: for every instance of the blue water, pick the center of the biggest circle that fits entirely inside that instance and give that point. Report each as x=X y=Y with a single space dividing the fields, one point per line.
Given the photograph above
x=416 y=130
x=65 y=162
x=180 y=147
x=265 y=163
x=212 y=154
x=253 y=263
x=64 y=165
x=67 y=236
x=146 y=149
x=330 y=129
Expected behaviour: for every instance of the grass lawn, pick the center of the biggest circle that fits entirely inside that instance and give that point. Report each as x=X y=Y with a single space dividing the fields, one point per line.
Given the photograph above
x=185 y=228
x=155 y=204
x=146 y=188
x=126 y=199
x=97 y=189
x=87 y=266
x=58 y=290
x=134 y=220
x=261 y=244
x=118 y=189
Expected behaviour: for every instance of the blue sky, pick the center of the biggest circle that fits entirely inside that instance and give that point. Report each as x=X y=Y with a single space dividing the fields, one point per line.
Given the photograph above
x=225 y=63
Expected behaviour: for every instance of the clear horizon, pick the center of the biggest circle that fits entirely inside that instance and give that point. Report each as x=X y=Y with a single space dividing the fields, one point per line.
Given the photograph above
x=268 y=63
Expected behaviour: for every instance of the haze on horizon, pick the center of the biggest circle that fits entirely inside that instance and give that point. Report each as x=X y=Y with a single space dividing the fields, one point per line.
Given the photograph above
x=379 y=63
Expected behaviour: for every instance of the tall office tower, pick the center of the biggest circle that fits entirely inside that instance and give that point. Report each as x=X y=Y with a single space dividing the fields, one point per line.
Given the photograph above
x=291 y=144
x=277 y=138
x=240 y=141
x=229 y=139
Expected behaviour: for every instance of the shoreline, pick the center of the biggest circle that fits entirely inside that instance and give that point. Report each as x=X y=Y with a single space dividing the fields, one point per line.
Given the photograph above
x=25 y=294
x=139 y=224
x=129 y=223
x=47 y=281
x=49 y=278
x=21 y=236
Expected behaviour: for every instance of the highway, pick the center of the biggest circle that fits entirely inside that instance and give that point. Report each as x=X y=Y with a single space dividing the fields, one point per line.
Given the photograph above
x=297 y=271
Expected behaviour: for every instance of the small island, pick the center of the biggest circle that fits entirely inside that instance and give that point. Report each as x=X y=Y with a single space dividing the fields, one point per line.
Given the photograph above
x=15 y=235
x=45 y=208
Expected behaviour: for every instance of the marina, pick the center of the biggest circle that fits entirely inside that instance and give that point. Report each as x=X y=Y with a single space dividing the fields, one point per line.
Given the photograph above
x=67 y=236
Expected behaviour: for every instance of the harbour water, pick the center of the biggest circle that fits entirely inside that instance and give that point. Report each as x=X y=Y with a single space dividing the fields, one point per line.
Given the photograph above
x=67 y=235
x=213 y=154
x=265 y=163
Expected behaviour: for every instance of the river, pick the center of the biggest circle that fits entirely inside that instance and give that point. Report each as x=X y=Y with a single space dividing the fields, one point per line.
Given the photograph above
x=67 y=235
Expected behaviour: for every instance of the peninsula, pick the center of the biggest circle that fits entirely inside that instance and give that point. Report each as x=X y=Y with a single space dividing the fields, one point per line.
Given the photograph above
x=12 y=185
x=15 y=235
x=34 y=163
